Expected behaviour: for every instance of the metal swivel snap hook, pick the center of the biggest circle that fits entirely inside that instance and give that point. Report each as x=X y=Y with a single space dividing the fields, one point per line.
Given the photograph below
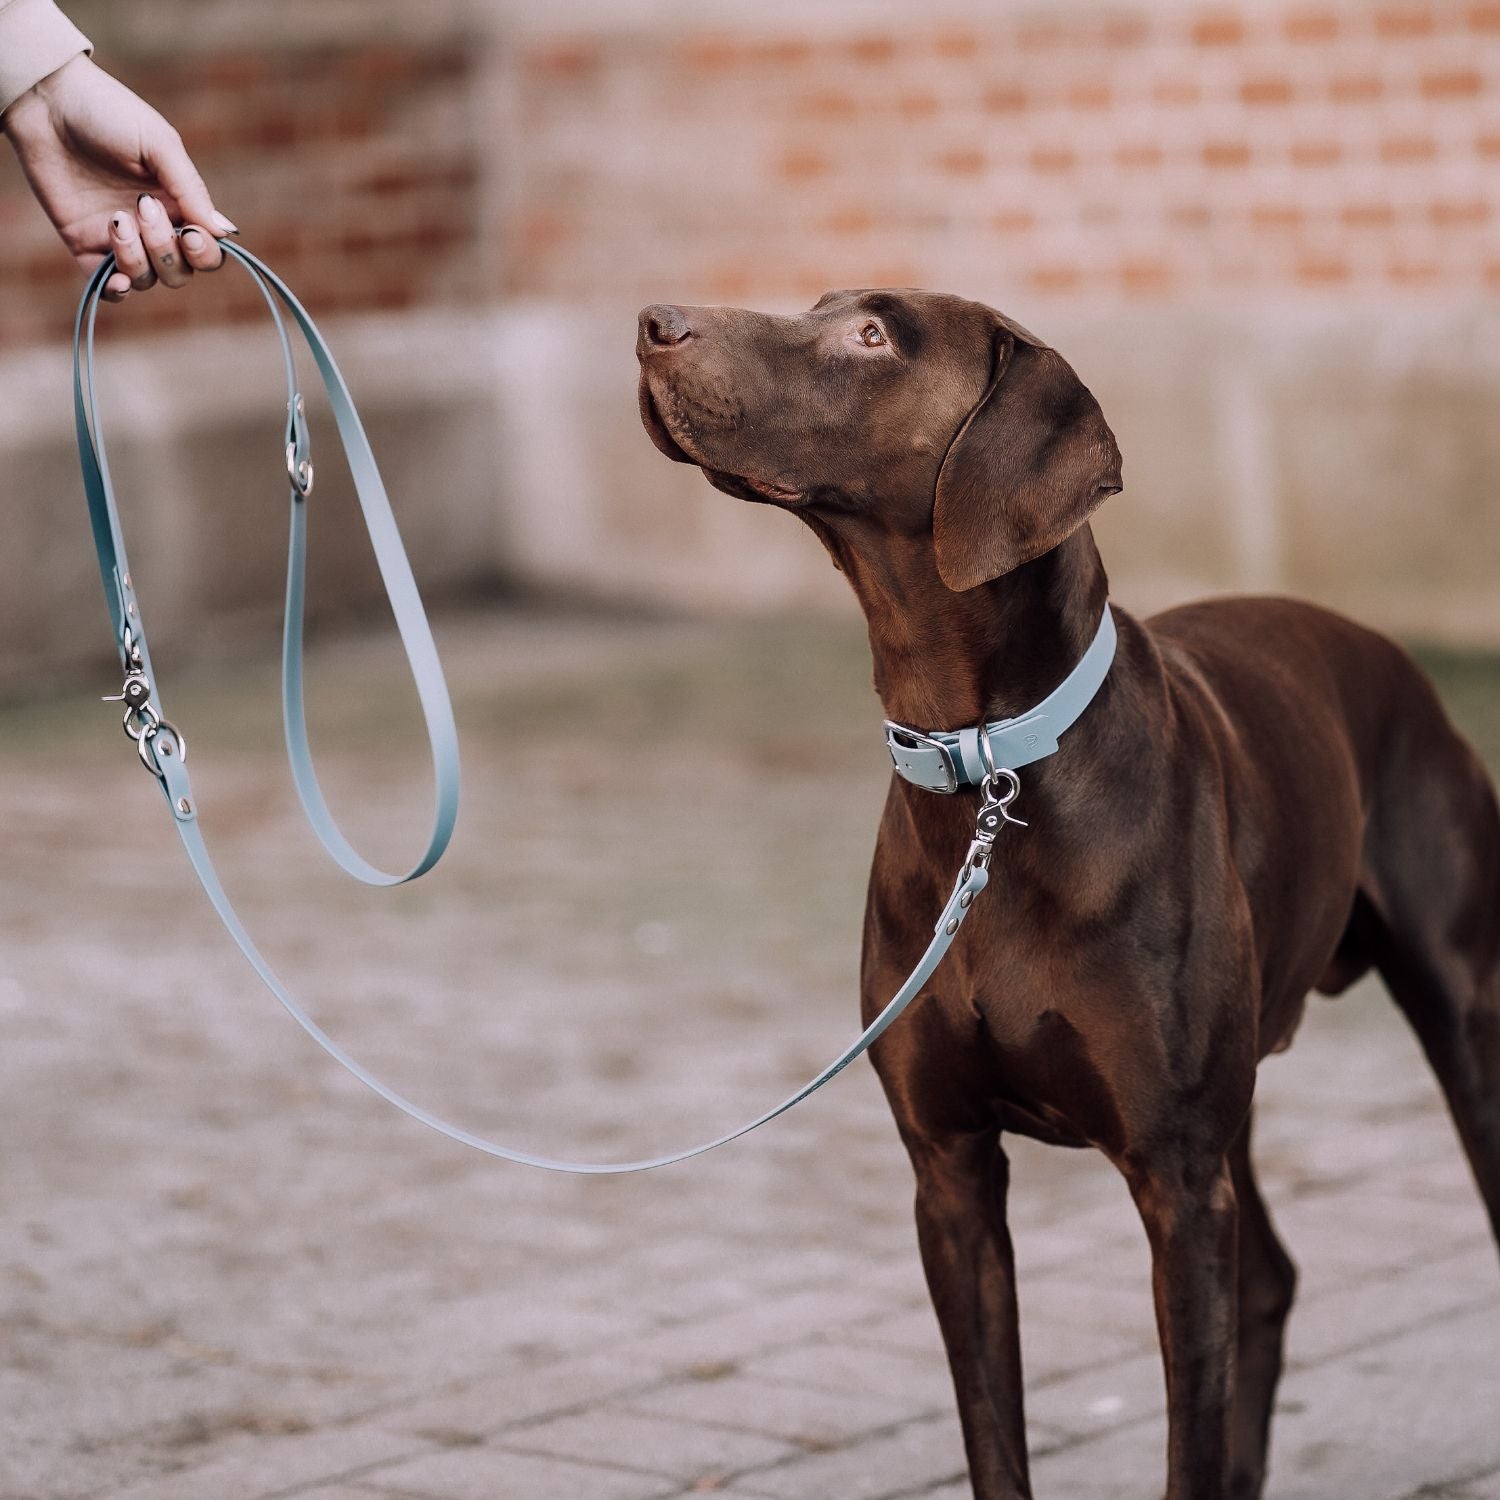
x=994 y=806
x=143 y=723
x=299 y=468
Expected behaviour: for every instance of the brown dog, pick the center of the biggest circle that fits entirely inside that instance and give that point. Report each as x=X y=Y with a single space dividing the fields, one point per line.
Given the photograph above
x=1263 y=799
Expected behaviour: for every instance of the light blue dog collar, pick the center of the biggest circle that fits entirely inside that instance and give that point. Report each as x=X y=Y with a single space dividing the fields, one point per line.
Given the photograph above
x=945 y=760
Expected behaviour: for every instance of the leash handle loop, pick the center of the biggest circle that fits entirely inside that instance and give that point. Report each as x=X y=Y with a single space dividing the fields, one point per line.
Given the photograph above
x=385 y=539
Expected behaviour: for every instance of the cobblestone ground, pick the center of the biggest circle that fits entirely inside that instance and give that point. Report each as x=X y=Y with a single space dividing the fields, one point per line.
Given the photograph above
x=227 y=1273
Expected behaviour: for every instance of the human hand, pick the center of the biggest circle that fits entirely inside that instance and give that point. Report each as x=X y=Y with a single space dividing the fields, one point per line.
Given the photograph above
x=113 y=175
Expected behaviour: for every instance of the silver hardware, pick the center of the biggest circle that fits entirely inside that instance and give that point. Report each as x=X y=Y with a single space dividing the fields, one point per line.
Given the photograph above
x=126 y=581
x=967 y=899
x=135 y=693
x=184 y=806
x=299 y=471
x=952 y=926
x=142 y=721
x=994 y=811
x=913 y=739
x=145 y=743
x=1001 y=803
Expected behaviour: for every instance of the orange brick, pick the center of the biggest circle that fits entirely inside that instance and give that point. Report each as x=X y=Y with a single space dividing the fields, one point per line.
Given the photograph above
x=781 y=52
x=1226 y=154
x=1311 y=26
x=1014 y=220
x=918 y=106
x=1141 y=154
x=1147 y=277
x=1221 y=29
x=1005 y=98
x=1056 y=278
x=829 y=104
x=1488 y=143
x=1176 y=91
x=1277 y=216
x=1485 y=17
x=1461 y=83
x=1266 y=91
x=710 y=54
x=1053 y=159
x=1315 y=153
x=1404 y=21
x=730 y=283
x=1355 y=88
x=1127 y=30
x=1092 y=93
x=1406 y=149
x=873 y=49
x=1367 y=215
x=1035 y=35
x=1413 y=272
x=849 y=221
x=956 y=44
x=1456 y=214
x=801 y=163
x=1189 y=216
x=963 y=161
x=1322 y=271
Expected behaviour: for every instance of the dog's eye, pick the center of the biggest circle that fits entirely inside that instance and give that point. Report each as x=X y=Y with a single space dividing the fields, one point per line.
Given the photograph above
x=872 y=336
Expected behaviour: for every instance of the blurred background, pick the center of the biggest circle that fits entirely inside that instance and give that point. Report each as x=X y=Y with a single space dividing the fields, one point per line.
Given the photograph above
x=1266 y=233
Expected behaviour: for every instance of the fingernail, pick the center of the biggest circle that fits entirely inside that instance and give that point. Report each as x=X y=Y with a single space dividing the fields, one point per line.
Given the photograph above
x=225 y=225
x=117 y=225
x=193 y=238
x=147 y=206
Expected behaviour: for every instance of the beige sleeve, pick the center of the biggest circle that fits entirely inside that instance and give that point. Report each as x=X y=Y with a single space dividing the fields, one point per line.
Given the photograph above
x=36 y=39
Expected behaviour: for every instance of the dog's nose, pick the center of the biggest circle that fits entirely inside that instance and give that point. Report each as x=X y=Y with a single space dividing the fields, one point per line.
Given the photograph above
x=661 y=326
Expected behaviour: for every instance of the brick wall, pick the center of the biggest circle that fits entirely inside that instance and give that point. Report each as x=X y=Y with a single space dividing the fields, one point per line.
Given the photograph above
x=351 y=166
x=1133 y=153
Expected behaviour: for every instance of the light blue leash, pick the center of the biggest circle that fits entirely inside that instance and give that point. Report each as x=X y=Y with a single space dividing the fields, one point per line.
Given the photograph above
x=163 y=750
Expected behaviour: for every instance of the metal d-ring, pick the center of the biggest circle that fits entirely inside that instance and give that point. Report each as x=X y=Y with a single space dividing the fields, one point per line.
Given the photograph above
x=299 y=471
x=145 y=725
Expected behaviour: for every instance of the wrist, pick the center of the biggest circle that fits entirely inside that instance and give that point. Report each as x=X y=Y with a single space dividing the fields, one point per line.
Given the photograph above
x=36 y=102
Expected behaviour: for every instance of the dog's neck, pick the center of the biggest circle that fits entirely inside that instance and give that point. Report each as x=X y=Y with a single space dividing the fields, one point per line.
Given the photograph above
x=944 y=660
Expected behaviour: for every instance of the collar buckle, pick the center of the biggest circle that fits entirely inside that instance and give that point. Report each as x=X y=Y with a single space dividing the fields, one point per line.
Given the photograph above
x=921 y=758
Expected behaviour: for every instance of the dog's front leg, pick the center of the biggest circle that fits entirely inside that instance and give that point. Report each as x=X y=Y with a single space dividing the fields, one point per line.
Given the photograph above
x=1191 y=1219
x=966 y=1253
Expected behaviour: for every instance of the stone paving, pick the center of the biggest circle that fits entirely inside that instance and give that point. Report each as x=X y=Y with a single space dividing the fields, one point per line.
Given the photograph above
x=228 y=1273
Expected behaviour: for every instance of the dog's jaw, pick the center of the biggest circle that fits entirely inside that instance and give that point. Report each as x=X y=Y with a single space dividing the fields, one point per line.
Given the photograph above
x=666 y=425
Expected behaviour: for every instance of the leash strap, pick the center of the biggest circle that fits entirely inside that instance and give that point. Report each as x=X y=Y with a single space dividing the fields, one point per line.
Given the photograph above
x=163 y=749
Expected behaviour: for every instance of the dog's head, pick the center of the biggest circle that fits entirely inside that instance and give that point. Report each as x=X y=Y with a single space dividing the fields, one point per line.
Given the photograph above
x=906 y=411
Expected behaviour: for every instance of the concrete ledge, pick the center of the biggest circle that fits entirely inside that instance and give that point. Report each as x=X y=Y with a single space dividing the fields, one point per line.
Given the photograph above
x=194 y=431
x=1350 y=457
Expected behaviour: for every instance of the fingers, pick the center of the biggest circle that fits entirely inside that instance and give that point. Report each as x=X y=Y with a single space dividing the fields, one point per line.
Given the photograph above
x=160 y=240
x=148 y=249
x=200 y=250
x=174 y=169
x=135 y=271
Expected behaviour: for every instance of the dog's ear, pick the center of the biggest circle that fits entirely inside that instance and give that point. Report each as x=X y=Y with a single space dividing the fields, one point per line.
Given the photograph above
x=1030 y=464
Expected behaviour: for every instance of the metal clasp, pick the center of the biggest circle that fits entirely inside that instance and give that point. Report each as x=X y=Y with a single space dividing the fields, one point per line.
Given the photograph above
x=299 y=468
x=994 y=809
x=898 y=736
x=142 y=722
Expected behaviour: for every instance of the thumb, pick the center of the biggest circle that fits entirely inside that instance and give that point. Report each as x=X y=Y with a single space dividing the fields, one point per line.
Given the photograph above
x=175 y=171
